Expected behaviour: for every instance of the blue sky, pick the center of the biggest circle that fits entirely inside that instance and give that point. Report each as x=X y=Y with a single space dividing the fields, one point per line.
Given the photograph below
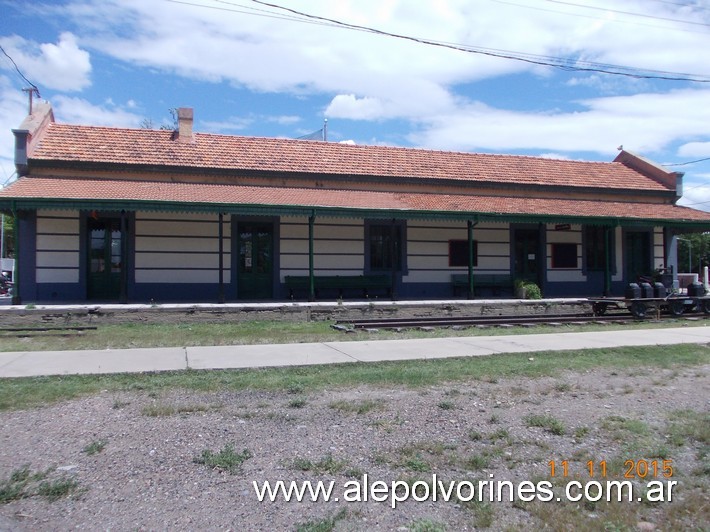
x=251 y=69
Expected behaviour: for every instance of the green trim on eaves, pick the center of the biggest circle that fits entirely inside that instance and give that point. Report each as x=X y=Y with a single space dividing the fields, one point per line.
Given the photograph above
x=343 y=212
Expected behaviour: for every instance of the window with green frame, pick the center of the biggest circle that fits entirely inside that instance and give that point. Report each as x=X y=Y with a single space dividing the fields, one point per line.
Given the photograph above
x=379 y=241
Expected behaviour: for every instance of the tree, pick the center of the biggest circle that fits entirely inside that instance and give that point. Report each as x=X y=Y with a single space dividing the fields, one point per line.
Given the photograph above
x=695 y=247
x=8 y=225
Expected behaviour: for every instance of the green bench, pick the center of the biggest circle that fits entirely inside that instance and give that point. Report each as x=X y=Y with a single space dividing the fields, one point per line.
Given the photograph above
x=339 y=283
x=496 y=282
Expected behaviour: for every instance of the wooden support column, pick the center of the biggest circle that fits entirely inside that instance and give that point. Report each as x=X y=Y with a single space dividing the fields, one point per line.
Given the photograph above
x=220 y=247
x=393 y=259
x=311 y=272
x=470 y=225
x=607 y=260
x=16 y=299
x=123 y=294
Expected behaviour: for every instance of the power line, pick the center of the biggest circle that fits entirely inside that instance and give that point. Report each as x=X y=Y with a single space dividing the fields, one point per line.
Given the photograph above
x=34 y=87
x=688 y=162
x=561 y=63
x=606 y=20
x=627 y=13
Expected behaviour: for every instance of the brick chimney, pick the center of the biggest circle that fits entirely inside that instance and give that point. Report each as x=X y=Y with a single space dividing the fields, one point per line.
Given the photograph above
x=184 y=132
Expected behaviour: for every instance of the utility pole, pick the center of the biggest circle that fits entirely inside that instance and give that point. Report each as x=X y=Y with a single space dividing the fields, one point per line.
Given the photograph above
x=31 y=91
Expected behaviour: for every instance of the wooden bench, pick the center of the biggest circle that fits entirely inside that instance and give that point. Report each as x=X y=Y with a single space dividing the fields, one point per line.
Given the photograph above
x=496 y=282
x=341 y=283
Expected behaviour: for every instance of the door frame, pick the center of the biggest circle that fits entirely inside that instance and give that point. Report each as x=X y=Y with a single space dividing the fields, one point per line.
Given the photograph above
x=233 y=293
x=541 y=256
x=625 y=250
x=128 y=251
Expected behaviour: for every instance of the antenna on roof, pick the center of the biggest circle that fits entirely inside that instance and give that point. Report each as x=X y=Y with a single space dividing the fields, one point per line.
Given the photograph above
x=31 y=91
x=325 y=130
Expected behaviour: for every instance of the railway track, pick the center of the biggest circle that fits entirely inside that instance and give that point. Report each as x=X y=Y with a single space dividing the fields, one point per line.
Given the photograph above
x=471 y=321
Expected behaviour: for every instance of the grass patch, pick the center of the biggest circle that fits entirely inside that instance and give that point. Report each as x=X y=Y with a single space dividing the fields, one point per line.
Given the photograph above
x=95 y=447
x=446 y=405
x=297 y=403
x=128 y=335
x=226 y=460
x=326 y=464
x=358 y=407
x=53 y=490
x=34 y=391
x=326 y=524
x=550 y=423
x=23 y=483
x=427 y=525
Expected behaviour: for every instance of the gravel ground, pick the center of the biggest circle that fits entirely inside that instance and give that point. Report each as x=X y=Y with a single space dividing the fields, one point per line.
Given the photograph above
x=146 y=478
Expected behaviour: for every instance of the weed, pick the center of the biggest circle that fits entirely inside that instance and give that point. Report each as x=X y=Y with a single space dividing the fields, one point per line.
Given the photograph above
x=23 y=483
x=416 y=463
x=358 y=407
x=499 y=434
x=120 y=404
x=327 y=464
x=94 y=447
x=547 y=422
x=563 y=387
x=483 y=512
x=427 y=525
x=446 y=405
x=477 y=462
x=158 y=410
x=59 y=488
x=14 y=487
x=474 y=435
x=581 y=432
x=297 y=403
x=326 y=524
x=227 y=459
x=494 y=419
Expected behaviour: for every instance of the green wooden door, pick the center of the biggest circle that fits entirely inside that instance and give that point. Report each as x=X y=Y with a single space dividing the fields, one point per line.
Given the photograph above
x=638 y=255
x=255 y=268
x=526 y=250
x=105 y=258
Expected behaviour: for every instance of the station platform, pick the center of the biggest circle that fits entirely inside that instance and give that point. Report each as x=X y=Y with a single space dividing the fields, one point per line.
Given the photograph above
x=93 y=313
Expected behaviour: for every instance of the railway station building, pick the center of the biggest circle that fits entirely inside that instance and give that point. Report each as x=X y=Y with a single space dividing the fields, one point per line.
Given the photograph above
x=111 y=214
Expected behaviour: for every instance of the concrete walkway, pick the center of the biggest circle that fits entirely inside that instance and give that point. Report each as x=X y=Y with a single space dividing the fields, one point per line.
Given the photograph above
x=27 y=364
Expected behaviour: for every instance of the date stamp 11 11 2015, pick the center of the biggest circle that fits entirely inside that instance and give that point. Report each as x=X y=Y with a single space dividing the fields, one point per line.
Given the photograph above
x=632 y=469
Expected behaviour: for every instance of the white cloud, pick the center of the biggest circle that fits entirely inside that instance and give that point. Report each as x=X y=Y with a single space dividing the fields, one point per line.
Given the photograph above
x=13 y=109
x=695 y=149
x=374 y=77
x=80 y=111
x=62 y=66
x=641 y=122
x=352 y=107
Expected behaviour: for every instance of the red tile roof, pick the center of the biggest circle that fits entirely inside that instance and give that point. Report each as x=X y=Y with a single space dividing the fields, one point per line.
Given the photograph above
x=71 y=143
x=199 y=193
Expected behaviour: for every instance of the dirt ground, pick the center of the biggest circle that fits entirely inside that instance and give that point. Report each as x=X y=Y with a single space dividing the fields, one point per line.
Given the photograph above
x=133 y=458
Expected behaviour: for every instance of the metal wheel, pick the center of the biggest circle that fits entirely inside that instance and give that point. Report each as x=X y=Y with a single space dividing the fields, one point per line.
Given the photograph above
x=599 y=309
x=638 y=309
x=705 y=304
x=676 y=307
